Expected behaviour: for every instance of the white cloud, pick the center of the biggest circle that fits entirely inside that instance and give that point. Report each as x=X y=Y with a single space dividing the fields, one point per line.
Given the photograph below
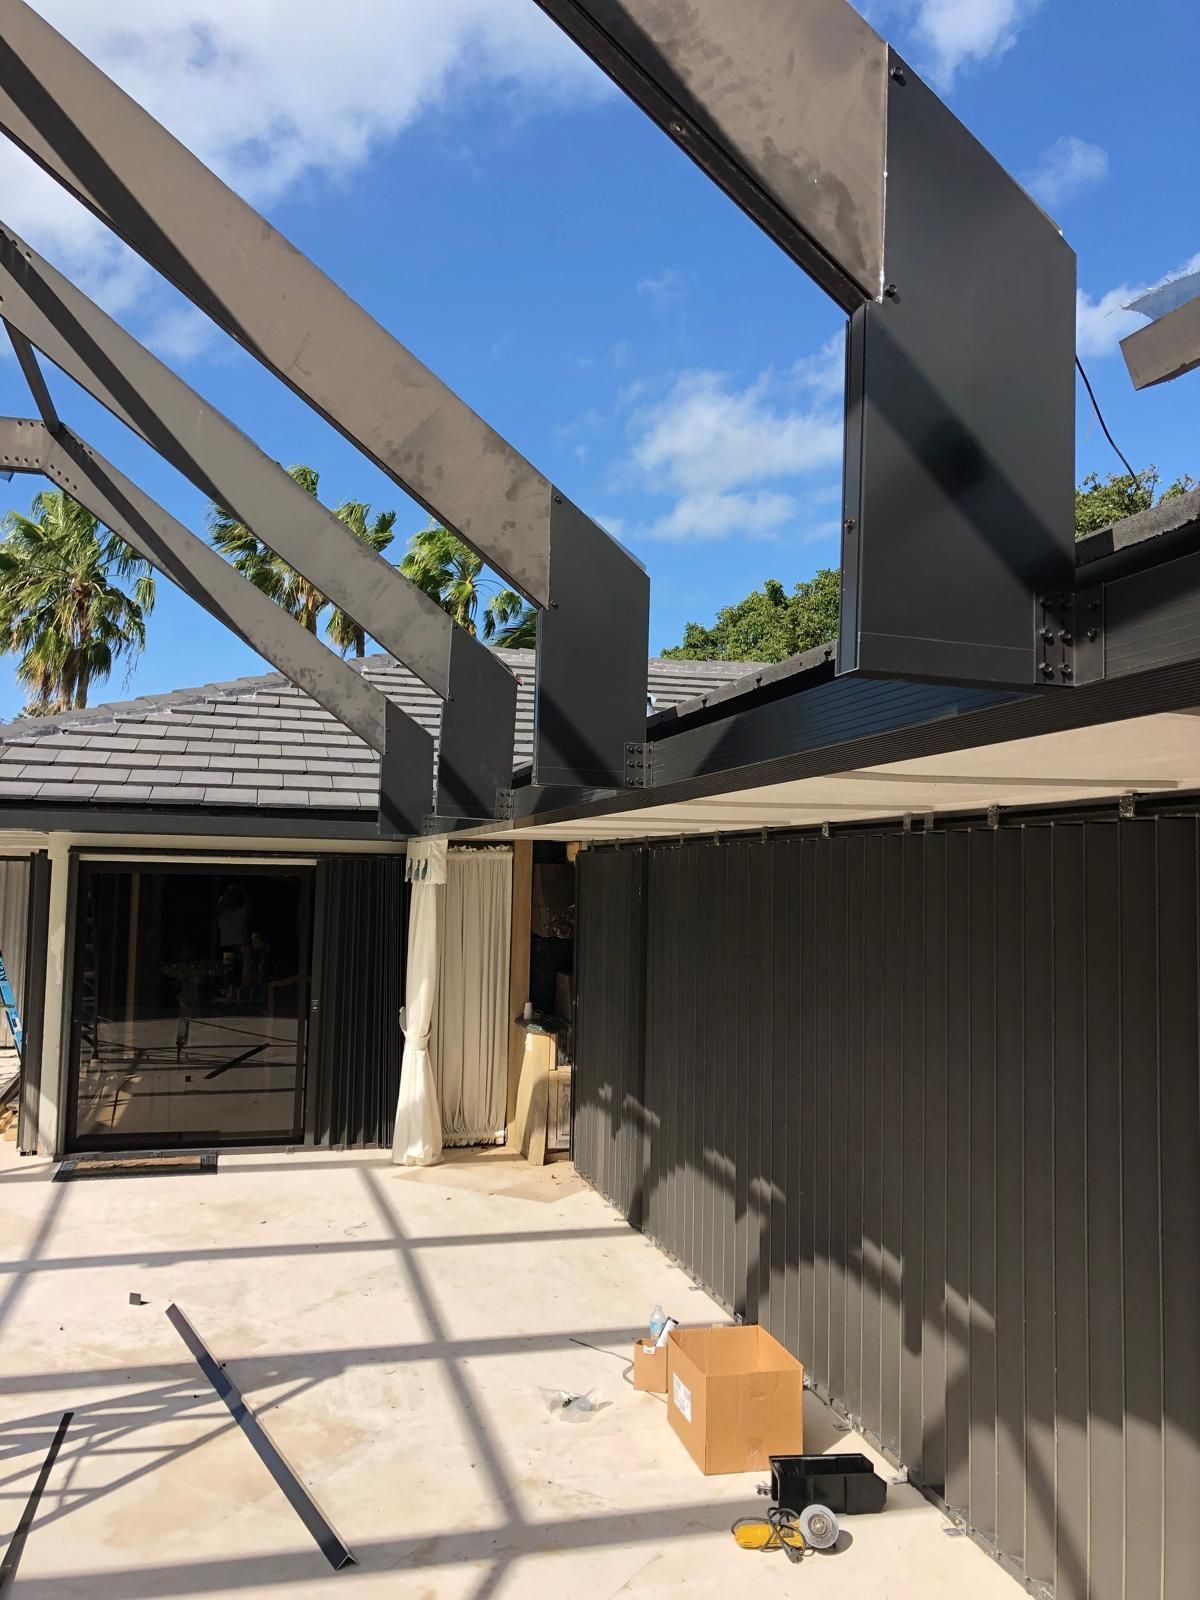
x=730 y=456
x=277 y=94
x=1101 y=324
x=699 y=518
x=962 y=33
x=824 y=374
x=706 y=435
x=663 y=290
x=1065 y=168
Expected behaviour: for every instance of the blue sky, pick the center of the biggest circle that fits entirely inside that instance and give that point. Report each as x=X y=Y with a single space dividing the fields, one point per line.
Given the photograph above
x=467 y=175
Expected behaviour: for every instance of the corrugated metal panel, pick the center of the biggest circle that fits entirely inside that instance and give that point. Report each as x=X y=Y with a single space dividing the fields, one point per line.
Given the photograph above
x=928 y=1106
x=355 y=1043
x=608 y=1135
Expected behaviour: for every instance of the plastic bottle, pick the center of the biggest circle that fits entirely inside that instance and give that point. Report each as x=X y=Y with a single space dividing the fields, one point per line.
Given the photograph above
x=657 y=1323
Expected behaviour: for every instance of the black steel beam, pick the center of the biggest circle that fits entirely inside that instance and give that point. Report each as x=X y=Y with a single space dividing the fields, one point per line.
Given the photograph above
x=328 y=1541
x=959 y=475
x=781 y=102
x=405 y=748
x=16 y=1545
x=111 y=155
x=959 y=465
x=223 y=463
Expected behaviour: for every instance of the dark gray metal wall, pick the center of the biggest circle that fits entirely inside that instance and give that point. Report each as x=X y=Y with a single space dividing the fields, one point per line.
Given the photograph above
x=360 y=940
x=608 y=1133
x=928 y=1106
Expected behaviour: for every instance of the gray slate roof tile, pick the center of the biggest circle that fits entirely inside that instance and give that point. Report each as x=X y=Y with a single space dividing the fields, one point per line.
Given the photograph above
x=257 y=741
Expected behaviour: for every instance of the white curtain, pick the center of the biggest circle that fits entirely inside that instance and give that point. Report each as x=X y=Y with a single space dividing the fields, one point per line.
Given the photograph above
x=417 y=1141
x=471 y=1022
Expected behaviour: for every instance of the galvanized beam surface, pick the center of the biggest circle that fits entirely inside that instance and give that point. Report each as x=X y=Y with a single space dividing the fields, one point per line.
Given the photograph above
x=959 y=470
x=224 y=464
x=34 y=376
x=109 y=153
x=1165 y=349
x=781 y=102
x=405 y=748
x=218 y=251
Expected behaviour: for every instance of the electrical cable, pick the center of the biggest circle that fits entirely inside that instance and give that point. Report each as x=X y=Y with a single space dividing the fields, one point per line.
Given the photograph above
x=1100 y=418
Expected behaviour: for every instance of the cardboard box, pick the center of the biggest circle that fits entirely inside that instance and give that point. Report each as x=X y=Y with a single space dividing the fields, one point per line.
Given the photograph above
x=650 y=1368
x=735 y=1397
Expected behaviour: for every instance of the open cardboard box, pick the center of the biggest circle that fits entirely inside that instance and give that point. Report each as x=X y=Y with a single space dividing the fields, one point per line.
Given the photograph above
x=735 y=1397
x=650 y=1367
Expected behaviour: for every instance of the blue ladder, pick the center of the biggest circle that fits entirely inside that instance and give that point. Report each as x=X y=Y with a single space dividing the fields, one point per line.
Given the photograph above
x=10 y=1006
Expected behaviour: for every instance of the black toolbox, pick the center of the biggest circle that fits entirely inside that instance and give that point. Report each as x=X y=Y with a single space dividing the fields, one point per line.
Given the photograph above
x=846 y=1484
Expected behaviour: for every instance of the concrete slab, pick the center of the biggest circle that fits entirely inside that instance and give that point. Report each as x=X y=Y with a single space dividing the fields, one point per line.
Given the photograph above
x=393 y=1330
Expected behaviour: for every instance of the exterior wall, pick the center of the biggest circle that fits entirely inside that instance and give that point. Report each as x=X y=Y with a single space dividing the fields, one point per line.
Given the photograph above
x=928 y=1107
x=42 y=1121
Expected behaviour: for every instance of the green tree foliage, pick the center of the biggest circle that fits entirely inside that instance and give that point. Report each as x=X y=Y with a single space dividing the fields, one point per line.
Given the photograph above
x=1101 y=502
x=62 y=605
x=768 y=625
x=287 y=587
x=450 y=572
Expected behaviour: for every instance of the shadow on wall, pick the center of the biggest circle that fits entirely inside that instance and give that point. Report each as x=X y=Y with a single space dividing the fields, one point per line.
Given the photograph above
x=926 y=1106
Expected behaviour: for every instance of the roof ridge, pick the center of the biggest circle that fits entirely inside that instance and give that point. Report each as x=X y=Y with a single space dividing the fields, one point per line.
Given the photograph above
x=26 y=729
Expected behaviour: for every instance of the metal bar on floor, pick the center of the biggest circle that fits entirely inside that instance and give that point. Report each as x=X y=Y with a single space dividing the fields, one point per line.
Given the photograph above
x=331 y=1546
x=16 y=1545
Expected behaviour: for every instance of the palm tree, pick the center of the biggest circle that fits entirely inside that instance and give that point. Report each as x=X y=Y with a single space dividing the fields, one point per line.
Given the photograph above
x=61 y=605
x=521 y=632
x=287 y=587
x=450 y=572
x=344 y=633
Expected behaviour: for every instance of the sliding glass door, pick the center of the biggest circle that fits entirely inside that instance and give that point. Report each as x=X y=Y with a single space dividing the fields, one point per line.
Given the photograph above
x=190 y=1004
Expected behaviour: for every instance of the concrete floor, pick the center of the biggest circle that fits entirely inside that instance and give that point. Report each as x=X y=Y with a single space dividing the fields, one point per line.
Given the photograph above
x=392 y=1329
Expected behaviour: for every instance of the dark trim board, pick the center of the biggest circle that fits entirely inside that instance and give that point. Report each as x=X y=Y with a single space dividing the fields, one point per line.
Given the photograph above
x=798 y=737
x=215 y=822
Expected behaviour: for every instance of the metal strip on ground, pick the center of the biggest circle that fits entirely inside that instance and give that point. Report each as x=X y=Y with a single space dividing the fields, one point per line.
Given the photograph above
x=331 y=1546
x=16 y=1545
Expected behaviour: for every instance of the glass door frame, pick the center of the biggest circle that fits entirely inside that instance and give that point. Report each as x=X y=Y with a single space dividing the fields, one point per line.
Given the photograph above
x=213 y=866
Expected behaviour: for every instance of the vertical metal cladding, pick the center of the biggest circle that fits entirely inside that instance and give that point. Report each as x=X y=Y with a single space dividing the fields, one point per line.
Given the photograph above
x=928 y=1107
x=355 y=1043
x=609 y=1133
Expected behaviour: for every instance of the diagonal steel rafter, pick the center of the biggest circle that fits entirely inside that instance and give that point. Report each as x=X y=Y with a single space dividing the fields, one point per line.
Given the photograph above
x=90 y=347
x=227 y=259
x=405 y=748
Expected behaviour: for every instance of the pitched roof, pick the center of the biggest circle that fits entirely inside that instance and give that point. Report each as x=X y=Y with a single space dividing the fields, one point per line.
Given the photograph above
x=257 y=742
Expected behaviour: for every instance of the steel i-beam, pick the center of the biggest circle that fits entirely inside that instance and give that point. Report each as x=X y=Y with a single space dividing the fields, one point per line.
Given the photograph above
x=475 y=757
x=405 y=748
x=227 y=259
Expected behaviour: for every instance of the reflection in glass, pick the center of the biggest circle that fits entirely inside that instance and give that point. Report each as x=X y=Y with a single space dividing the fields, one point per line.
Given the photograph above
x=190 y=997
